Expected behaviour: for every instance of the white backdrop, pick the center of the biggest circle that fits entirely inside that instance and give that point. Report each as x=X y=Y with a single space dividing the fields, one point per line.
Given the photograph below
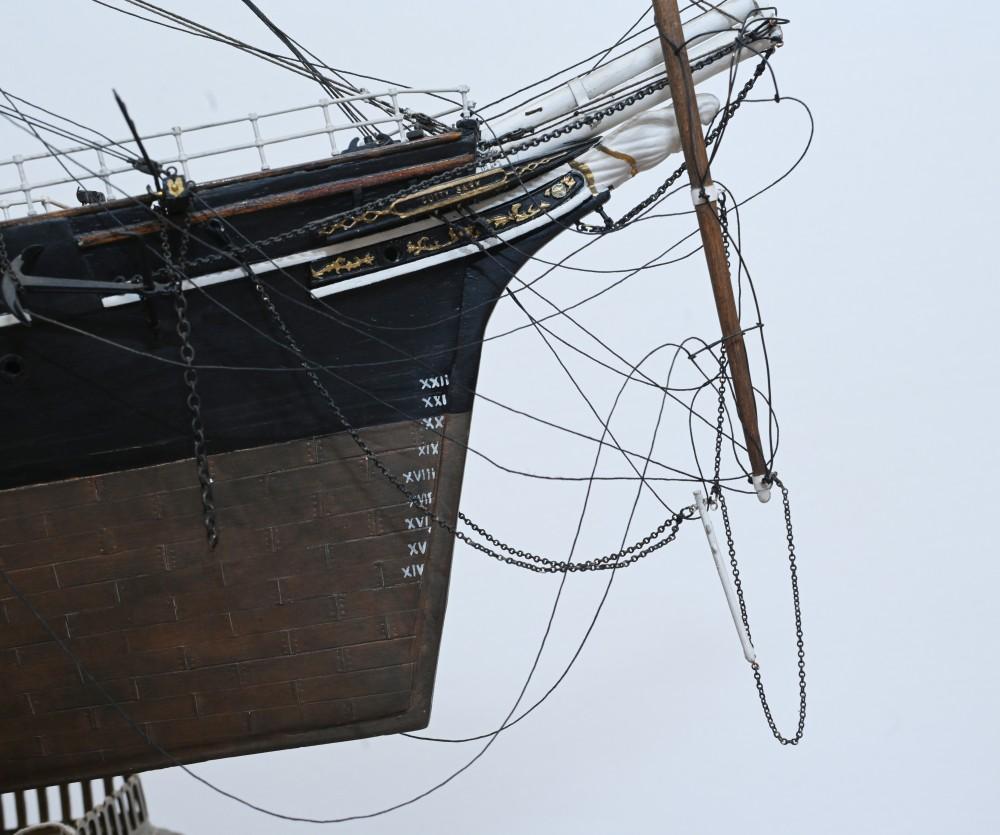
x=874 y=267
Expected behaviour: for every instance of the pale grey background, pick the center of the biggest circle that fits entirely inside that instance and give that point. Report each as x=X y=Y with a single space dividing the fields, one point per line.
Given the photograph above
x=875 y=265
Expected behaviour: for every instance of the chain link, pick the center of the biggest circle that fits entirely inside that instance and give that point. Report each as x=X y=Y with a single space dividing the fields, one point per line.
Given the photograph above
x=719 y=499
x=511 y=556
x=187 y=352
x=590 y=120
x=4 y=258
x=727 y=114
x=797 y=606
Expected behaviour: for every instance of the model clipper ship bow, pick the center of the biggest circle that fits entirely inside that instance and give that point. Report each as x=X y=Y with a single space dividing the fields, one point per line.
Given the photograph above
x=236 y=412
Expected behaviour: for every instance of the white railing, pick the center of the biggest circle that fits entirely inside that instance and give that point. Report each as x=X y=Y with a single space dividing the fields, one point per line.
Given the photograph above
x=30 y=184
x=123 y=811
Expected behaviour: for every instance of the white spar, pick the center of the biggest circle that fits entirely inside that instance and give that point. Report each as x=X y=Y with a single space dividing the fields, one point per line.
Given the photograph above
x=749 y=653
x=704 y=35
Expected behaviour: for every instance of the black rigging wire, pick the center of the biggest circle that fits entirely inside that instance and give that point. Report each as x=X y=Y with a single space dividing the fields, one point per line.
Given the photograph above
x=508 y=722
x=570 y=344
x=642 y=482
x=117 y=707
x=215 y=301
x=324 y=83
x=601 y=56
x=625 y=36
x=574 y=347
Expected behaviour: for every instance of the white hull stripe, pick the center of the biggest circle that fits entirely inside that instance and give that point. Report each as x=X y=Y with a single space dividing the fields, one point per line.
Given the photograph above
x=450 y=255
x=286 y=261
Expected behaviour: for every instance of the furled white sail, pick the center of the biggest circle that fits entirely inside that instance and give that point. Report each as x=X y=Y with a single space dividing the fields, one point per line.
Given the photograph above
x=704 y=35
x=640 y=144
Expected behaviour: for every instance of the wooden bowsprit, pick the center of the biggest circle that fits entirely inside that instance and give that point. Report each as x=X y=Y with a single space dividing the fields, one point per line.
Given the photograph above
x=704 y=193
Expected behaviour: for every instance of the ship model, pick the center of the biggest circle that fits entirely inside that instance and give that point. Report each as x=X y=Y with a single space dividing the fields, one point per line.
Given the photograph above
x=236 y=412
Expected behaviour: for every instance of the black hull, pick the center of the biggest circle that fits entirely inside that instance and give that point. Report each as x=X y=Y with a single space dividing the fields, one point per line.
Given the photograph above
x=113 y=397
x=81 y=406
x=318 y=616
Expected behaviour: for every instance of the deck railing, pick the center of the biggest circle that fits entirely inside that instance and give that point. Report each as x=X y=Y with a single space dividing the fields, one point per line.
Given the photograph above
x=30 y=184
x=122 y=812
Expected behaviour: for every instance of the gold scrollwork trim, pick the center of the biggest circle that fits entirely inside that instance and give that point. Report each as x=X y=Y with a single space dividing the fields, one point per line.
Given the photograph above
x=561 y=188
x=345 y=265
x=441 y=196
x=518 y=214
x=427 y=244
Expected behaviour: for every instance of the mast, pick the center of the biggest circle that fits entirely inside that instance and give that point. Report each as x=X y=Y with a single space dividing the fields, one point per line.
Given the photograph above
x=668 y=22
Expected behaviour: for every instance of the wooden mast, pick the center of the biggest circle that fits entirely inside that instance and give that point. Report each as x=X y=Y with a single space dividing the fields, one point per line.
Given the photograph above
x=668 y=22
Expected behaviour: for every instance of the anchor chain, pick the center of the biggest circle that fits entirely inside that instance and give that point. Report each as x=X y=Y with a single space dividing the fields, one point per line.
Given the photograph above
x=719 y=499
x=187 y=353
x=511 y=556
x=797 y=606
x=592 y=119
x=727 y=114
x=4 y=257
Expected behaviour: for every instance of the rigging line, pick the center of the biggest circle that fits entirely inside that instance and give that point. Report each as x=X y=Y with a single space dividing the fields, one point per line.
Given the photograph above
x=681 y=477
x=342 y=86
x=588 y=332
x=649 y=215
x=366 y=333
x=26 y=125
x=621 y=40
x=651 y=80
x=195 y=28
x=583 y=394
x=678 y=519
x=282 y=271
x=63 y=133
x=110 y=211
x=773 y=424
x=631 y=271
x=508 y=723
x=765 y=57
x=731 y=437
x=384 y=106
x=325 y=84
x=116 y=706
x=190 y=27
x=265 y=55
x=295 y=301
x=567 y=69
x=369 y=393
x=85 y=673
x=202 y=31
x=213 y=34
x=773 y=436
x=55 y=115
x=728 y=419
x=527 y=103
x=536 y=292
x=343 y=72
x=553 y=76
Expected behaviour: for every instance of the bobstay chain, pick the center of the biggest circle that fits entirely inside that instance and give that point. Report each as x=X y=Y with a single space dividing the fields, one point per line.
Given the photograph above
x=737 y=604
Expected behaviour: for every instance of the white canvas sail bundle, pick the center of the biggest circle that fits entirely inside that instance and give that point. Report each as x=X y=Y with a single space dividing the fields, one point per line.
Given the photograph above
x=705 y=35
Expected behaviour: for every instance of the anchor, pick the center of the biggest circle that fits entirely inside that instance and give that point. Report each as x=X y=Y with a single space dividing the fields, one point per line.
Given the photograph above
x=17 y=278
